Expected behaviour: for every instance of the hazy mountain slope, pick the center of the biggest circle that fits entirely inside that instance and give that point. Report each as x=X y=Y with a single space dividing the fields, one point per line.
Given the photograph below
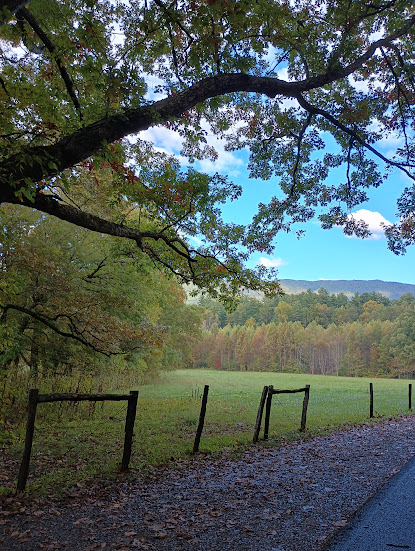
x=390 y=289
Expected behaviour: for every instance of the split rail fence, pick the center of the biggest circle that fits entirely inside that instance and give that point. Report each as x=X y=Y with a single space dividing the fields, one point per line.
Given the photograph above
x=265 y=402
x=35 y=398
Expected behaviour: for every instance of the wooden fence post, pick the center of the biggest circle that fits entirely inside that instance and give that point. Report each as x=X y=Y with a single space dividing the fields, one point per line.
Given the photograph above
x=371 y=399
x=305 y=405
x=410 y=396
x=201 y=419
x=30 y=429
x=259 y=414
x=268 y=412
x=129 y=429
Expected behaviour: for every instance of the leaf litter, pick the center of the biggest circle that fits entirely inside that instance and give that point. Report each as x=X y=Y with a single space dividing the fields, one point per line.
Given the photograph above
x=288 y=498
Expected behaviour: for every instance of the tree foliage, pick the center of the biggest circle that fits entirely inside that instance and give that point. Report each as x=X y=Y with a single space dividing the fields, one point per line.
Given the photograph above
x=68 y=296
x=318 y=333
x=74 y=86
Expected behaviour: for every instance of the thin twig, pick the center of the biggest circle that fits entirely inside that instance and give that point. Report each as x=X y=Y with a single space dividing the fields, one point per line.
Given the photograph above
x=28 y=16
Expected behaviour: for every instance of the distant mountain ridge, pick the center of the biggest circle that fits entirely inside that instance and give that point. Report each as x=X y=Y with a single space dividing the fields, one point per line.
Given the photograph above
x=348 y=287
x=390 y=289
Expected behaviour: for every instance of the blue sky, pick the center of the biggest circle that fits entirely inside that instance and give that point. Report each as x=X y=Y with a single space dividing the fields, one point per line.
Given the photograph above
x=329 y=254
x=320 y=254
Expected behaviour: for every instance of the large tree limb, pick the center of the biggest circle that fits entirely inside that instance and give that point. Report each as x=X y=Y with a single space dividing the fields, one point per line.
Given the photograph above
x=37 y=163
x=51 y=205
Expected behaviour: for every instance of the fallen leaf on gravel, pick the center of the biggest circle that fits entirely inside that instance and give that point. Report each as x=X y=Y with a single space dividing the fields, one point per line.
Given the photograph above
x=83 y=520
x=114 y=506
x=184 y=535
x=157 y=527
x=340 y=523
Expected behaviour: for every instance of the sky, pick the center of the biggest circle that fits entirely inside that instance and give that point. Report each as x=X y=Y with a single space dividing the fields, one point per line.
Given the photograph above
x=319 y=254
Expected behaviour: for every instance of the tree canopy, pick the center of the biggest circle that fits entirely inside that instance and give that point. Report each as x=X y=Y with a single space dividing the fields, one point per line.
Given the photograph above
x=67 y=294
x=74 y=98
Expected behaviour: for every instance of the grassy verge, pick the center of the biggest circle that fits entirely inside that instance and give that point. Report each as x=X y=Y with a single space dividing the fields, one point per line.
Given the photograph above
x=74 y=444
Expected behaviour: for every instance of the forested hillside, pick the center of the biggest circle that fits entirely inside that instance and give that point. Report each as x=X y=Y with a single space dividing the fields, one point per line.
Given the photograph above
x=318 y=333
x=390 y=289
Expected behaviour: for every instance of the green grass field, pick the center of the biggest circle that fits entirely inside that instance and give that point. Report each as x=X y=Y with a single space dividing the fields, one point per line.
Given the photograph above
x=77 y=445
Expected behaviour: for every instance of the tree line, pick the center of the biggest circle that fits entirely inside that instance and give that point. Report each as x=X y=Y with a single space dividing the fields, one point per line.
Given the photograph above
x=317 y=333
x=74 y=300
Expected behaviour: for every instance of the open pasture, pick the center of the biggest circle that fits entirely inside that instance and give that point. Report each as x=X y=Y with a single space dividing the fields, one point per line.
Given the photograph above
x=234 y=399
x=78 y=445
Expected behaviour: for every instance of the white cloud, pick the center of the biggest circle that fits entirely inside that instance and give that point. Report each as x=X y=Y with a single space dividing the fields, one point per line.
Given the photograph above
x=272 y=262
x=169 y=141
x=390 y=140
x=152 y=83
x=391 y=143
x=377 y=35
x=366 y=85
x=165 y=139
x=283 y=75
x=374 y=220
x=271 y=55
x=359 y=85
x=226 y=162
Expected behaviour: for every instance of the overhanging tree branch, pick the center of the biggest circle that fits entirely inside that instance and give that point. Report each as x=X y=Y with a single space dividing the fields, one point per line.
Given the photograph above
x=24 y=170
x=352 y=133
x=52 y=326
x=37 y=163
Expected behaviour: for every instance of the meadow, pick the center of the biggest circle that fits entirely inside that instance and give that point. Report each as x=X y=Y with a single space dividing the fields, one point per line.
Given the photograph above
x=75 y=444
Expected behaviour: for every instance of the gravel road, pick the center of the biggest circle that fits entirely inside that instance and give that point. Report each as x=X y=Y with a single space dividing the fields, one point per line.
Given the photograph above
x=289 y=498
